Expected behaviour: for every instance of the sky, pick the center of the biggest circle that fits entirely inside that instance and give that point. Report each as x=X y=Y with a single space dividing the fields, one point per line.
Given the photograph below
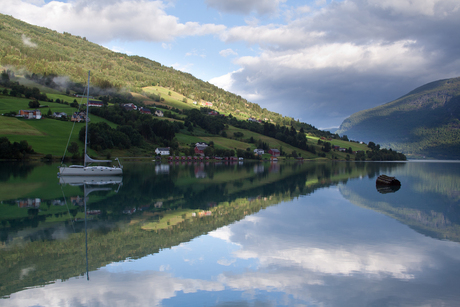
x=317 y=61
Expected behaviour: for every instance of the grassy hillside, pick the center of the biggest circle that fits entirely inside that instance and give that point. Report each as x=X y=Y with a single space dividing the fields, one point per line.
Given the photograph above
x=62 y=54
x=50 y=136
x=425 y=122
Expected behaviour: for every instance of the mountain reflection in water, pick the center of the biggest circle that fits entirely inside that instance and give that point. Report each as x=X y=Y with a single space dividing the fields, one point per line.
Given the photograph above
x=243 y=234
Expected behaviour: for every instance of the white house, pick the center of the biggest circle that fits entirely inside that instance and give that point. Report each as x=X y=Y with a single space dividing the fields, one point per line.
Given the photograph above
x=163 y=151
x=159 y=113
x=259 y=152
x=30 y=114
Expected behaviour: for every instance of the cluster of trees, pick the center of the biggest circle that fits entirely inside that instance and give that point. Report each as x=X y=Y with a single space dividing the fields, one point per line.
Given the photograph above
x=18 y=90
x=135 y=126
x=212 y=124
x=217 y=124
x=377 y=154
x=101 y=136
x=14 y=150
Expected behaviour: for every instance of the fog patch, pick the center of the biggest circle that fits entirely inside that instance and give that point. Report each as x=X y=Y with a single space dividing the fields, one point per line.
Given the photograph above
x=27 y=42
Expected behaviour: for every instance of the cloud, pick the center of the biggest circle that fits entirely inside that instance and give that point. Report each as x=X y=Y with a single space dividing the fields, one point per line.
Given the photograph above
x=129 y=20
x=346 y=57
x=147 y=288
x=245 y=7
x=26 y=41
x=166 y=46
x=227 y=52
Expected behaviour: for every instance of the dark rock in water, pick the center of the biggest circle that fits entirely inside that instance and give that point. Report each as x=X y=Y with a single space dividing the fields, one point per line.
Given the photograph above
x=386 y=184
x=387 y=180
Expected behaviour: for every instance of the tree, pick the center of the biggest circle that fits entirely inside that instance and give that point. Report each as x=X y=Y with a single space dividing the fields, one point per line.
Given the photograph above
x=73 y=148
x=34 y=104
x=5 y=77
x=49 y=112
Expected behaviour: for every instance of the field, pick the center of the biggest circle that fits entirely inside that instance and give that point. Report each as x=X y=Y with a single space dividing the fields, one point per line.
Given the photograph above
x=175 y=100
x=46 y=136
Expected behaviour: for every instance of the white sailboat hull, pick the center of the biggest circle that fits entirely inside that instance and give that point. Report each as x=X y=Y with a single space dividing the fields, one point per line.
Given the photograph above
x=78 y=170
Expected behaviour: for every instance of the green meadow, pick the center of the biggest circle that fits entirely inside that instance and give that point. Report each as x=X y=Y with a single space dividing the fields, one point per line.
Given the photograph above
x=47 y=135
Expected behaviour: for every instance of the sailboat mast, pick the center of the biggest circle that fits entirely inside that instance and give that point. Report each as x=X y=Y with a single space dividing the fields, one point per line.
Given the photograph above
x=86 y=119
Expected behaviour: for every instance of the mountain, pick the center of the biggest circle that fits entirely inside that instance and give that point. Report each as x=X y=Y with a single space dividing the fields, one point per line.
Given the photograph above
x=37 y=50
x=425 y=122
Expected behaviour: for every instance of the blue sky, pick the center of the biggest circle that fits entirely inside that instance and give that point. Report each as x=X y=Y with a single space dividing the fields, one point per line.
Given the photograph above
x=317 y=61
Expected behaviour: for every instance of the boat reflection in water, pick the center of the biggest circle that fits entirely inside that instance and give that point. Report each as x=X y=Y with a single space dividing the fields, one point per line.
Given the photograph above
x=91 y=184
x=91 y=180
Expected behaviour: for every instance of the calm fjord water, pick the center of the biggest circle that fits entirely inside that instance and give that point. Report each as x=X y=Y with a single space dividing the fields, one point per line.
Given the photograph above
x=244 y=234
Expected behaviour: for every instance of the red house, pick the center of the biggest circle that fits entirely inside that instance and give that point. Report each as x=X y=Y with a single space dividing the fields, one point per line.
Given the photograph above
x=145 y=110
x=274 y=152
x=93 y=103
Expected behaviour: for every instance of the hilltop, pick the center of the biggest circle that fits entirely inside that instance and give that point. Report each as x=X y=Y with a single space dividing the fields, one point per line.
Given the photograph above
x=425 y=122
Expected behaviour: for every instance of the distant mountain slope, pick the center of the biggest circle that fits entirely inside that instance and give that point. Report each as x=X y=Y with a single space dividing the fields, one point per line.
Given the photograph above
x=425 y=122
x=42 y=51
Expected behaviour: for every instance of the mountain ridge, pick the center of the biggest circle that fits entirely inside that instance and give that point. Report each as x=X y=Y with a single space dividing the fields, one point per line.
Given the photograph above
x=424 y=122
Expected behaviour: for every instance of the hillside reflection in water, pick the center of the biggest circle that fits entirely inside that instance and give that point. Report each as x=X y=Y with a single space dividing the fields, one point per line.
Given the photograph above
x=316 y=234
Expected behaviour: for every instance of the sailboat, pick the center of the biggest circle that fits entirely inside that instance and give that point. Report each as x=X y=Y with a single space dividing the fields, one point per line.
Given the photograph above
x=85 y=169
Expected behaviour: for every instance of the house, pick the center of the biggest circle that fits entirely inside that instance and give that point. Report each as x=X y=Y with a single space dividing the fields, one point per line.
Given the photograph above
x=129 y=106
x=342 y=149
x=144 y=110
x=78 y=117
x=30 y=114
x=163 y=151
x=274 y=152
x=29 y=203
x=335 y=147
x=59 y=114
x=93 y=103
x=259 y=151
x=208 y=104
x=213 y=113
x=200 y=147
x=252 y=119
x=159 y=113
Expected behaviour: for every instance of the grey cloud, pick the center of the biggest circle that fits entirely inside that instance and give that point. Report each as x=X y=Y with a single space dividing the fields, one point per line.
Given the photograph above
x=245 y=7
x=324 y=96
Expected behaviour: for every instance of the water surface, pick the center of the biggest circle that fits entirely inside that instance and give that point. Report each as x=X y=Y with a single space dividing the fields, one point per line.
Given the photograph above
x=244 y=234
